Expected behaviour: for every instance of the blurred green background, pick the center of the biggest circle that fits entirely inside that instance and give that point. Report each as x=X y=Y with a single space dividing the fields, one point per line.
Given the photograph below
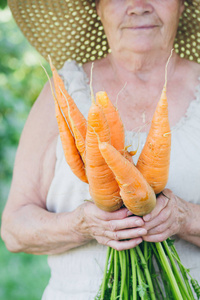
x=22 y=276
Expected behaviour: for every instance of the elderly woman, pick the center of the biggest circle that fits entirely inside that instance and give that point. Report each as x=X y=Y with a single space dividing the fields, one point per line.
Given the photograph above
x=46 y=212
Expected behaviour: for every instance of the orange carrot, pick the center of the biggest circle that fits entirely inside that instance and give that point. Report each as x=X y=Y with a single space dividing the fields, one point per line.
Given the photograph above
x=62 y=95
x=115 y=124
x=71 y=153
x=128 y=155
x=103 y=187
x=136 y=193
x=154 y=159
x=79 y=140
x=117 y=133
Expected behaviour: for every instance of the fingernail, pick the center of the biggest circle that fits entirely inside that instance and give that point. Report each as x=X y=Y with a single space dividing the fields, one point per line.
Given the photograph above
x=139 y=222
x=129 y=213
x=142 y=231
x=146 y=218
x=138 y=241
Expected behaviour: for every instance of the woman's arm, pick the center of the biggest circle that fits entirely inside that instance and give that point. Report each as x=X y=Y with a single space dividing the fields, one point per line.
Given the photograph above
x=173 y=216
x=32 y=174
x=27 y=225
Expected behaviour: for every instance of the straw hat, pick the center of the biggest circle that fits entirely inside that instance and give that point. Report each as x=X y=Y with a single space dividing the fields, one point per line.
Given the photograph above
x=71 y=29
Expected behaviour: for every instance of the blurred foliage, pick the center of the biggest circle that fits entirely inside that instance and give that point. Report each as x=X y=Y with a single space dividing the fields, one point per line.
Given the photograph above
x=22 y=276
x=21 y=80
x=3 y=4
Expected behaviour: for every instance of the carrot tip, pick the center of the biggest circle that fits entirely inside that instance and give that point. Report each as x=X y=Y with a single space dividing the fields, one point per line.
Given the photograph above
x=166 y=134
x=91 y=89
x=102 y=145
x=132 y=153
x=126 y=147
x=51 y=64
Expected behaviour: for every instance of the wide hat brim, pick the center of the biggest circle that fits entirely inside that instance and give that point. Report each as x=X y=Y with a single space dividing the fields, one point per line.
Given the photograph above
x=68 y=29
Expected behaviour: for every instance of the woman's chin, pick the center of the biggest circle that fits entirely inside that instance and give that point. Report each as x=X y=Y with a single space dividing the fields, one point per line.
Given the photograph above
x=138 y=46
x=139 y=49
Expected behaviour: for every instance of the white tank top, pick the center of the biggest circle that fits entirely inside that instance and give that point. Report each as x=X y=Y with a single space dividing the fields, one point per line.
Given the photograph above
x=77 y=274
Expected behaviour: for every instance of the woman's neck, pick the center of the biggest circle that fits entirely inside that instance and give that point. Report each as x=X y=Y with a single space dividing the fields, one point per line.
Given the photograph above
x=141 y=68
x=136 y=101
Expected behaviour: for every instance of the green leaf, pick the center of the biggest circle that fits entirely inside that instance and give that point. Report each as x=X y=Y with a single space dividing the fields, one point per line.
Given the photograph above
x=142 y=289
x=170 y=242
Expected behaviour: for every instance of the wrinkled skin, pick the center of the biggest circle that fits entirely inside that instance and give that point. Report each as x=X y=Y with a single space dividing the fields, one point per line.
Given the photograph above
x=138 y=58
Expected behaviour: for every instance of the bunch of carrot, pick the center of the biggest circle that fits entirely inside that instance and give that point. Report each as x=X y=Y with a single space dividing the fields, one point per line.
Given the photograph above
x=95 y=150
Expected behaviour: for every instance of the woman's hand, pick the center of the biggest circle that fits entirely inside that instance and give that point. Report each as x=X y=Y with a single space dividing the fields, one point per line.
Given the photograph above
x=118 y=229
x=168 y=218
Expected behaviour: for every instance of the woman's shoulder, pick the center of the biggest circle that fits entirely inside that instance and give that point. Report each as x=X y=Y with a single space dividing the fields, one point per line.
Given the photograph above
x=195 y=68
x=188 y=80
x=191 y=70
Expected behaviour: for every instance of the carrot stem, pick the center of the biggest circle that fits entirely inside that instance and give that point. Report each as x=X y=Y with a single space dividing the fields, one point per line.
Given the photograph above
x=167 y=268
x=196 y=287
x=134 y=273
x=127 y=252
x=131 y=274
x=162 y=272
x=103 y=289
x=157 y=288
x=176 y=273
x=145 y=250
x=111 y=266
x=141 y=283
x=123 y=266
x=116 y=274
x=146 y=272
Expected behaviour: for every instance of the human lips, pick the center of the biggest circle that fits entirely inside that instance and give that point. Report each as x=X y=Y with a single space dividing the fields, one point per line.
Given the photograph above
x=141 y=27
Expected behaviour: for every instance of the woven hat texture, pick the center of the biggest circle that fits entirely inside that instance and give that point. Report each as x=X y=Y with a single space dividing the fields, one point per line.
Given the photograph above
x=71 y=29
